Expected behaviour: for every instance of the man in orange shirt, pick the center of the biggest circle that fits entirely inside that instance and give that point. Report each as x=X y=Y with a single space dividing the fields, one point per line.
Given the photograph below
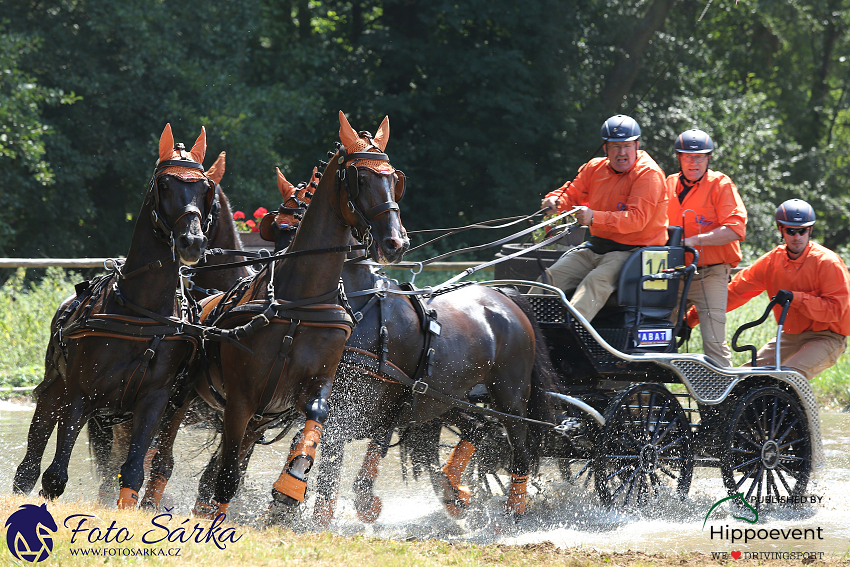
x=622 y=199
x=707 y=205
x=818 y=320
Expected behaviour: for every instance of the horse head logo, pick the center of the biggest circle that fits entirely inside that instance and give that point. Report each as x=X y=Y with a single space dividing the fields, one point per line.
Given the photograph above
x=29 y=533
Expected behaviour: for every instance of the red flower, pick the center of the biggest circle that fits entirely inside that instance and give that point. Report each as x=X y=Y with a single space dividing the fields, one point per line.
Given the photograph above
x=238 y=215
x=250 y=223
x=259 y=213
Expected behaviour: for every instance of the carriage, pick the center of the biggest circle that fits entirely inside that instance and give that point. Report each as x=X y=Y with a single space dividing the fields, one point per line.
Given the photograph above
x=636 y=416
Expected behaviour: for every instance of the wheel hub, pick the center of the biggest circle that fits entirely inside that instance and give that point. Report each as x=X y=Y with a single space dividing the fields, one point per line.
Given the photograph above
x=770 y=454
x=648 y=458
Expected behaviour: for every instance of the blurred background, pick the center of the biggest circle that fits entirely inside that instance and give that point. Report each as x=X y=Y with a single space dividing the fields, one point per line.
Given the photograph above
x=492 y=103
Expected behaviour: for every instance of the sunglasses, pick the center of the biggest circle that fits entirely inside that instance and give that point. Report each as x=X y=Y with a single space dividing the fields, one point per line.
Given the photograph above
x=792 y=231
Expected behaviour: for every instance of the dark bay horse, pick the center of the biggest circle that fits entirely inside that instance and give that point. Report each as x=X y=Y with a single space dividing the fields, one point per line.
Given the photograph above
x=109 y=445
x=118 y=346
x=292 y=319
x=478 y=335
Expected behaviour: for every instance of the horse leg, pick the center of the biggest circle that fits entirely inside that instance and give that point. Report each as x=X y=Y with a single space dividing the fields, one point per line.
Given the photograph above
x=145 y=424
x=43 y=422
x=55 y=478
x=204 y=504
x=368 y=505
x=162 y=463
x=327 y=487
x=291 y=485
x=520 y=465
x=455 y=496
x=236 y=417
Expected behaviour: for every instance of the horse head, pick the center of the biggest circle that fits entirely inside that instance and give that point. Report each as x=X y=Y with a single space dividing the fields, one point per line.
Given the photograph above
x=280 y=226
x=369 y=189
x=181 y=196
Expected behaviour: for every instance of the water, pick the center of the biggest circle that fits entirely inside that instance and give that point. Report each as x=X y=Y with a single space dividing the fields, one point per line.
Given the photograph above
x=567 y=515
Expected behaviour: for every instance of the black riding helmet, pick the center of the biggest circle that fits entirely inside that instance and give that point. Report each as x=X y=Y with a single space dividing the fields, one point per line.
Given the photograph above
x=694 y=141
x=795 y=212
x=620 y=128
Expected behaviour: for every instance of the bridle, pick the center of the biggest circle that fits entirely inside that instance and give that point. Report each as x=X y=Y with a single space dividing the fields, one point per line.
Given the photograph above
x=161 y=227
x=361 y=228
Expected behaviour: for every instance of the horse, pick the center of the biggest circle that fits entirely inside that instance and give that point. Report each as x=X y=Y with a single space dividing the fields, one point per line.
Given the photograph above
x=294 y=319
x=109 y=445
x=122 y=343
x=279 y=227
x=410 y=361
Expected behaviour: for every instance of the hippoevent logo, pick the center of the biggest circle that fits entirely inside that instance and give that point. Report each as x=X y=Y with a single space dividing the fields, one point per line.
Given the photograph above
x=735 y=535
x=29 y=533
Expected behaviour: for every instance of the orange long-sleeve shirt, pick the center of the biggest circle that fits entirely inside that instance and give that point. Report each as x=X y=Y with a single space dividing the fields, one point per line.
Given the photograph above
x=629 y=207
x=818 y=278
x=711 y=203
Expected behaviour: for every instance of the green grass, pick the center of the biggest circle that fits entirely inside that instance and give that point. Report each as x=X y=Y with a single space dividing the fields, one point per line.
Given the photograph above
x=26 y=309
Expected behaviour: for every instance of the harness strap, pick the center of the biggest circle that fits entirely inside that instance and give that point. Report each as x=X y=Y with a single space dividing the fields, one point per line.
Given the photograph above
x=135 y=381
x=276 y=372
x=366 y=361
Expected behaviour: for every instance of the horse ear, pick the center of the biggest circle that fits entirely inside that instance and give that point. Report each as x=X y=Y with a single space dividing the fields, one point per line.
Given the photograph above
x=199 y=150
x=383 y=135
x=286 y=188
x=166 y=143
x=216 y=170
x=347 y=135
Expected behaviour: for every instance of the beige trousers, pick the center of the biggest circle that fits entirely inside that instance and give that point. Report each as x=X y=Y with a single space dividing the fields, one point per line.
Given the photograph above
x=809 y=353
x=708 y=294
x=592 y=276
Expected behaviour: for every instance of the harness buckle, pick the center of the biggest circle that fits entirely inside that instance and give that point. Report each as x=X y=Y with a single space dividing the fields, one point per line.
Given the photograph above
x=358 y=316
x=419 y=387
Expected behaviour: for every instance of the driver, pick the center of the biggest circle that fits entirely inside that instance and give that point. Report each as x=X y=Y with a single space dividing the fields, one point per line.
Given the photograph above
x=707 y=205
x=818 y=320
x=623 y=200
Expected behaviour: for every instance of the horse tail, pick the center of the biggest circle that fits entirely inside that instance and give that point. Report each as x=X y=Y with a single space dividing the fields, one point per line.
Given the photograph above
x=544 y=379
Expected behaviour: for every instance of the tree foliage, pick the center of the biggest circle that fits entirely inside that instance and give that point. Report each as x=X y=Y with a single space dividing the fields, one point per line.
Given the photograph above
x=491 y=103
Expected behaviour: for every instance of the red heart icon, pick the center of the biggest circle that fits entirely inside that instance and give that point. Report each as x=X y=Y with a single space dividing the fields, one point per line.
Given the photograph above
x=736 y=554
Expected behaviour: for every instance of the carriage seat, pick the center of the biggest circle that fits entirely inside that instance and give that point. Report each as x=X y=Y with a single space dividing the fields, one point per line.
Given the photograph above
x=637 y=317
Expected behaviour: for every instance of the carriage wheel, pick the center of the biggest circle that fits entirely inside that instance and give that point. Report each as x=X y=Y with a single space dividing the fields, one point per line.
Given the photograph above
x=645 y=450
x=768 y=451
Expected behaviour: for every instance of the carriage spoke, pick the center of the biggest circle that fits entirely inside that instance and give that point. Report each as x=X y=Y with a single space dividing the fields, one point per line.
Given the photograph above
x=787 y=431
x=655 y=436
x=778 y=422
x=753 y=485
x=671 y=443
x=745 y=476
x=745 y=463
x=784 y=482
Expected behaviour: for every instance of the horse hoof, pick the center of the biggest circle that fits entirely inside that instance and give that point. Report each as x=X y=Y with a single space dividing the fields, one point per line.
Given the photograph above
x=283 y=510
x=209 y=510
x=370 y=514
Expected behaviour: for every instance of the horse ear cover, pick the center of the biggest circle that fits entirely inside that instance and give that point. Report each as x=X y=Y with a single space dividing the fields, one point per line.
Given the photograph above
x=286 y=188
x=166 y=143
x=216 y=170
x=199 y=150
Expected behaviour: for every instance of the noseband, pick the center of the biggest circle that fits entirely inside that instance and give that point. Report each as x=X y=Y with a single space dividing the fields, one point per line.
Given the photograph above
x=161 y=228
x=347 y=180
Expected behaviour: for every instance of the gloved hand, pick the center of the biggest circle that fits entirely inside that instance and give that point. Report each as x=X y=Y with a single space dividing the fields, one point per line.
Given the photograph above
x=782 y=296
x=684 y=333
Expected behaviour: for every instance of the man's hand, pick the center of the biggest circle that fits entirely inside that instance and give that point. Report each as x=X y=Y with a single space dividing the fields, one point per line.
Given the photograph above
x=684 y=332
x=783 y=295
x=550 y=203
x=584 y=216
